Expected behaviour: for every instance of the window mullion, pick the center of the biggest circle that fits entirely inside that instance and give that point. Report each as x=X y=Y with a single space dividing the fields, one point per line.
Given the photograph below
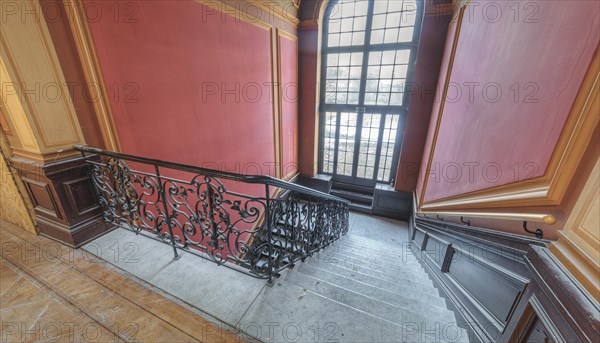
x=365 y=50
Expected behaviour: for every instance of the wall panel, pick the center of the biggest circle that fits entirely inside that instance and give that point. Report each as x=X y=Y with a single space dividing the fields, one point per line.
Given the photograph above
x=511 y=91
x=194 y=83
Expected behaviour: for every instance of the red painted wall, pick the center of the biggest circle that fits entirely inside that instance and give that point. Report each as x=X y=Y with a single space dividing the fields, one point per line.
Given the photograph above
x=427 y=67
x=188 y=84
x=192 y=85
x=289 y=106
x=308 y=40
x=537 y=59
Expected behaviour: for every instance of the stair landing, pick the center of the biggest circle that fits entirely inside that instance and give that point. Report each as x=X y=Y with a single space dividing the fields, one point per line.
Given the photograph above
x=366 y=287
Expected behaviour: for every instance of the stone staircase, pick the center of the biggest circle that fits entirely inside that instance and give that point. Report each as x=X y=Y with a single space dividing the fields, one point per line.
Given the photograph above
x=366 y=287
x=380 y=286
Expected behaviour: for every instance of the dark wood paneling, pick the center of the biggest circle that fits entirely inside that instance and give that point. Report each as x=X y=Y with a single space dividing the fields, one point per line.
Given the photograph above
x=505 y=287
x=64 y=199
x=389 y=203
x=42 y=198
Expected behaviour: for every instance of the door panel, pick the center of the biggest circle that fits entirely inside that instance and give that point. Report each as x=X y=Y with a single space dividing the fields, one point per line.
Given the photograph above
x=360 y=148
x=346 y=143
x=369 y=141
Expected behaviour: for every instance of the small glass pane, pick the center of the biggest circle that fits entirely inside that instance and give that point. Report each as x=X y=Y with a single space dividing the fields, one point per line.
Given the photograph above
x=408 y=18
x=332 y=60
x=347 y=24
x=393 y=20
x=345 y=59
x=398 y=85
x=400 y=71
x=379 y=21
x=353 y=98
x=343 y=72
x=376 y=37
x=387 y=72
x=373 y=72
x=371 y=86
x=402 y=56
x=355 y=72
x=356 y=59
x=331 y=72
x=409 y=5
x=334 y=26
x=358 y=38
x=406 y=34
x=391 y=36
x=383 y=99
x=381 y=6
x=346 y=39
x=370 y=98
x=361 y=7
x=388 y=57
x=375 y=58
x=385 y=85
x=360 y=23
x=396 y=99
x=334 y=39
x=348 y=9
x=395 y=6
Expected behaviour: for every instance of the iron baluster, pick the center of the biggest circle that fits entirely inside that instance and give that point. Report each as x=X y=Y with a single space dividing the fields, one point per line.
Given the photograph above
x=214 y=238
x=163 y=196
x=269 y=221
x=259 y=235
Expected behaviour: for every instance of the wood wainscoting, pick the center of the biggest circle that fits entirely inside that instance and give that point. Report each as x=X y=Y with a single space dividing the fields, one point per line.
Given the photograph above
x=506 y=287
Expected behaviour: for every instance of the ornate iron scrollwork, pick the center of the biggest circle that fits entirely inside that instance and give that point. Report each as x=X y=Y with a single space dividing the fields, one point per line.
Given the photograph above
x=258 y=234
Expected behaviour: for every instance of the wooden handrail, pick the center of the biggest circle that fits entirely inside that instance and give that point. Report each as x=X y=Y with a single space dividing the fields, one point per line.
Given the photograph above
x=533 y=217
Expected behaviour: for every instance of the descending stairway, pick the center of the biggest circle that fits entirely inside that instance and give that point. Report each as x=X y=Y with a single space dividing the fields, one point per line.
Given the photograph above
x=379 y=283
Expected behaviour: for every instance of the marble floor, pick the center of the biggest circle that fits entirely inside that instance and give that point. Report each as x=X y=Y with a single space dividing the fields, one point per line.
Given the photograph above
x=52 y=293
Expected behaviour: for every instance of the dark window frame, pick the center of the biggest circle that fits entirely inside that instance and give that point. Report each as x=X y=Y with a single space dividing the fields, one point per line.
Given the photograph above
x=360 y=108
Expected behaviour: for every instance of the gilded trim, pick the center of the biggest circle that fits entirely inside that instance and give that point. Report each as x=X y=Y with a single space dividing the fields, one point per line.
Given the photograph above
x=533 y=217
x=550 y=188
x=93 y=74
x=286 y=35
x=442 y=103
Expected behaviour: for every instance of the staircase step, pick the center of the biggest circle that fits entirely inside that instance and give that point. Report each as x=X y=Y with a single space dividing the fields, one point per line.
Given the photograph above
x=413 y=275
x=354 y=197
x=363 y=242
x=396 y=295
x=360 y=208
x=352 y=187
x=398 y=286
x=288 y=303
x=400 y=262
x=407 y=311
x=392 y=253
x=380 y=266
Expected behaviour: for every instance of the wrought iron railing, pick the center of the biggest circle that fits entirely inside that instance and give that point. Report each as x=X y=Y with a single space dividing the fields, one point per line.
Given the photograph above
x=255 y=224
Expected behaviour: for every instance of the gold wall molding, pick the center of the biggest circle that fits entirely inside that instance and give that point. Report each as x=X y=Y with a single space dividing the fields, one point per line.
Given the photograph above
x=275 y=101
x=284 y=35
x=93 y=74
x=35 y=97
x=548 y=189
x=442 y=103
x=578 y=247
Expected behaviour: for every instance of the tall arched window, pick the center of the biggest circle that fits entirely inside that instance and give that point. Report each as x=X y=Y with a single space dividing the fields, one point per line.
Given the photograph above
x=368 y=51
